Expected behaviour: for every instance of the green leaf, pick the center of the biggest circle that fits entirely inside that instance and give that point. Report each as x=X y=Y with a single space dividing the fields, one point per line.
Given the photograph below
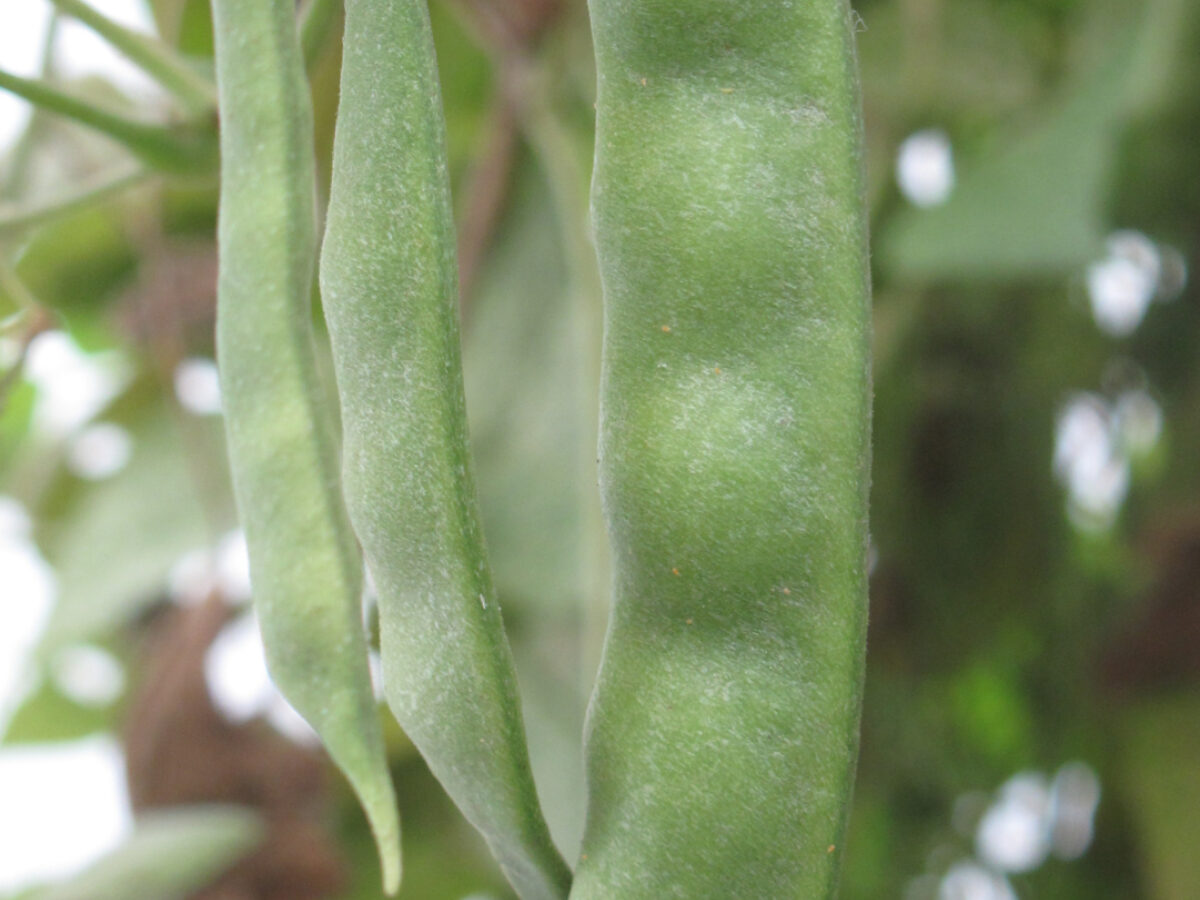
x=76 y=263
x=1032 y=208
x=48 y=716
x=1037 y=206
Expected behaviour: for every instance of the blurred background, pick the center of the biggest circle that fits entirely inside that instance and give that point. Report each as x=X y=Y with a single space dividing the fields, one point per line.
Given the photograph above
x=1032 y=717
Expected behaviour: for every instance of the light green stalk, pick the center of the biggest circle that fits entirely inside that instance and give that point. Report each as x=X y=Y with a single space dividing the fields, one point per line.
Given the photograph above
x=184 y=149
x=158 y=60
x=16 y=219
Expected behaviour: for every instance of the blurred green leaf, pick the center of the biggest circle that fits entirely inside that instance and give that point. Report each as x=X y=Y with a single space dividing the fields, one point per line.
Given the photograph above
x=524 y=382
x=15 y=416
x=48 y=716
x=1037 y=205
x=75 y=265
x=991 y=715
x=522 y=376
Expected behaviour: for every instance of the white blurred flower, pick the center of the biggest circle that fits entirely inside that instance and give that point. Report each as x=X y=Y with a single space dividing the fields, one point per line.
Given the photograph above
x=1173 y=274
x=1014 y=834
x=21 y=40
x=1075 y=796
x=89 y=675
x=198 y=386
x=969 y=881
x=14 y=520
x=192 y=578
x=1094 y=503
x=1122 y=285
x=72 y=386
x=1090 y=462
x=235 y=670
x=100 y=451
x=233 y=567
x=225 y=568
x=1082 y=438
x=925 y=167
x=284 y=719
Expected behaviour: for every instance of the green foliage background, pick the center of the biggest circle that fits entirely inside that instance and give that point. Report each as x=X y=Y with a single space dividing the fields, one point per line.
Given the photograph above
x=1003 y=637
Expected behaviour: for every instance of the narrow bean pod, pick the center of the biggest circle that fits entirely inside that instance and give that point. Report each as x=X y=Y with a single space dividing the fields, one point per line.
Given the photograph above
x=304 y=565
x=389 y=285
x=730 y=228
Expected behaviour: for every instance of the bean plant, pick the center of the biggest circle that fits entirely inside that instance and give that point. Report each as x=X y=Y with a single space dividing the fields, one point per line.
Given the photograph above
x=729 y=236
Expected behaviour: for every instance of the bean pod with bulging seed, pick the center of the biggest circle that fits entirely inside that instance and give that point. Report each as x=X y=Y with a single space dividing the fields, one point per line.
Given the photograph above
x=389 y=284
x=304 y=564
x=730 y=227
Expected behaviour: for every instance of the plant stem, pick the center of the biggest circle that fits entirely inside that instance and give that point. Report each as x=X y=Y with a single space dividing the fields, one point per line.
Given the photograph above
x=185 y=149
x=36 y=317
x=12 y=285
x=16 y=219
x=152 y=56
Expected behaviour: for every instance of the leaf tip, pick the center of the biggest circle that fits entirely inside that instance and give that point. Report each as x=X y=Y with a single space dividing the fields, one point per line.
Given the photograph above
x=385 y=825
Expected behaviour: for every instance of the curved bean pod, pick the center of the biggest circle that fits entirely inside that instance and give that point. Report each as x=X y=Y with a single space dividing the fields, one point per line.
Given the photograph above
x=730 y=227
x=304 y=564
x=389 y=283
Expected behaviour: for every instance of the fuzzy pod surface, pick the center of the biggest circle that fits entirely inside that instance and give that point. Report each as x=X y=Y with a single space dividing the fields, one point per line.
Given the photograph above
x=730 y=226
x=389 y=284
x=304 y=563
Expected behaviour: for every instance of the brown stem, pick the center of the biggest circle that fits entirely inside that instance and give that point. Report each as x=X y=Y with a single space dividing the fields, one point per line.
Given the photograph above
x=40 y=320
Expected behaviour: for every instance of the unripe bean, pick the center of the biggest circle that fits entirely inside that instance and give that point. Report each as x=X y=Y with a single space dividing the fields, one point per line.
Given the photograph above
x=304 y=563
x=730 y=227
x=389 y=284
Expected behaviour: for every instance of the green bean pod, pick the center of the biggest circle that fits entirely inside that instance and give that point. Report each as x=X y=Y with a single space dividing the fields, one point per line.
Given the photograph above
x=730 y=226
x=304 y=564
x=389 y=285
